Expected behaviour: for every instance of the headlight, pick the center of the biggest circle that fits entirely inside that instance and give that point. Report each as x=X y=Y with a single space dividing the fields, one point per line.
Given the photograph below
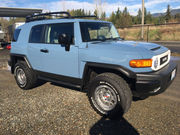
x=155 y=63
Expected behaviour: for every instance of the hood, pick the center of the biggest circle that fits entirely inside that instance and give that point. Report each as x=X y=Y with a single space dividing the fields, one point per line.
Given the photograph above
x=120 y=52
x=144 y=45
x=141 y=48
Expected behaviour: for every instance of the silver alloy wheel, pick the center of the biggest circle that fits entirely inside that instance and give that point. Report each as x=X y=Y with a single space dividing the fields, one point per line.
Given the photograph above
x=105 y=97
x=21 y=77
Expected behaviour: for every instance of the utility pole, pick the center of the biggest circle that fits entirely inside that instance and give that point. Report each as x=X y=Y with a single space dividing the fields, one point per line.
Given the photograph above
x=142 y=22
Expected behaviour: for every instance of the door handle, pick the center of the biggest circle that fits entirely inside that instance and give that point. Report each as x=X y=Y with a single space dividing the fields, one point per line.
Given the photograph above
x=44 y=50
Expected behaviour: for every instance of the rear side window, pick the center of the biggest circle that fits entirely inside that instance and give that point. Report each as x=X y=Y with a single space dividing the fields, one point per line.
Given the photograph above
x=16 y=34
x=36 y=34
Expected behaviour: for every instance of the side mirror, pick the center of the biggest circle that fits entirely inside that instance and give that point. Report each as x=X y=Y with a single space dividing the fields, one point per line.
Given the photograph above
x=65 y=39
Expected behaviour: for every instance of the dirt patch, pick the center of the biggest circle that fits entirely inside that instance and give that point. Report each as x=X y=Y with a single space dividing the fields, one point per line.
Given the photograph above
x=3 y=64
x=175 y=54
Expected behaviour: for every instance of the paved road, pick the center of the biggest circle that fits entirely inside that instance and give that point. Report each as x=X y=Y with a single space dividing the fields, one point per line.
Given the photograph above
x=173 y=46
x=52 y=109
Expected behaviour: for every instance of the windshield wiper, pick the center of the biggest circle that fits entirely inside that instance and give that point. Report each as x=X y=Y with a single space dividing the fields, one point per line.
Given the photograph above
x=106 y=39
x=117 y=38
x=97 y=41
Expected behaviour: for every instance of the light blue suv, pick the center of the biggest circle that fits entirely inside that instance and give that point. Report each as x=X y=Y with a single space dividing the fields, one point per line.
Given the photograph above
x=89 y=54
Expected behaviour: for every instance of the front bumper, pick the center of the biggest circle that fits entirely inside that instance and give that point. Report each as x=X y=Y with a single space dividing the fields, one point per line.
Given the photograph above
x=153 y=83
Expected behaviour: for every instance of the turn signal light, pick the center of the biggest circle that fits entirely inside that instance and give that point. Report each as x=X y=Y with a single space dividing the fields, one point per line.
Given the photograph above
x=141 y=63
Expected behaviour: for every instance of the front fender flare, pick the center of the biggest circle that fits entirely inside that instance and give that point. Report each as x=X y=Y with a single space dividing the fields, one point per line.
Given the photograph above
x=117 y=68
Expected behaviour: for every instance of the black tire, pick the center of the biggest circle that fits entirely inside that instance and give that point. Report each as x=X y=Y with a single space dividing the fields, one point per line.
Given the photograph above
x=30 y=77
x=117 y=85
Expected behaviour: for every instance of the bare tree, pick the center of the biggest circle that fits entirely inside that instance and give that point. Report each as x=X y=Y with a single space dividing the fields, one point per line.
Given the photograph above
x=99 y=7
x=63 y=5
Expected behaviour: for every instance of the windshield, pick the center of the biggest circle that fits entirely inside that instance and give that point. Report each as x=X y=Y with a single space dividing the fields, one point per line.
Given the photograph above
x=98 y=31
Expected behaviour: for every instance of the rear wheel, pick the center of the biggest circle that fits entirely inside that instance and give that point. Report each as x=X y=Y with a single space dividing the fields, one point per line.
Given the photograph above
x=24 y=76
x=109 y=95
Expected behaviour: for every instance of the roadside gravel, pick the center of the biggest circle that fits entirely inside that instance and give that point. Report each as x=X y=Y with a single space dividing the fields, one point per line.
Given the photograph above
x=51 y=109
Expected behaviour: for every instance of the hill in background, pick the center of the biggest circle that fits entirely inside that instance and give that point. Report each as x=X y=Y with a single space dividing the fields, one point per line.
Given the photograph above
x=173 y=12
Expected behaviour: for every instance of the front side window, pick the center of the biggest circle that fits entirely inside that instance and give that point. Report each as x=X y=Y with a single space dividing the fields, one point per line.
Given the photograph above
x=53 y=31
x=98 y=31
x=36 y=35
x=16 y=34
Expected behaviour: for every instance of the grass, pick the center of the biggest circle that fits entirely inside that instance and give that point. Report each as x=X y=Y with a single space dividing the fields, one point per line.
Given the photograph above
x=175 y=54
x=156 y=33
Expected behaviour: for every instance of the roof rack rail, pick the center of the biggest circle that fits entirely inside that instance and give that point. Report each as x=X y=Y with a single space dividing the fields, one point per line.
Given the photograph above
x=44 y=16
x=85 y=16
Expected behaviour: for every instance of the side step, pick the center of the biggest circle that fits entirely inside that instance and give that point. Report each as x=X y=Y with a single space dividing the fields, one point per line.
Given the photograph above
x=60 y=82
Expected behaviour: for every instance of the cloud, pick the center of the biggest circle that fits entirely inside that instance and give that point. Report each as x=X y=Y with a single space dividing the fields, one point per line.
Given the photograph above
x=64 y=5
x=7 y=3
x=109 y=7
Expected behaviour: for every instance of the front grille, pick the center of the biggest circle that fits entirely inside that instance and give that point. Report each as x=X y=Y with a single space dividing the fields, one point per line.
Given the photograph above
x=163 y=59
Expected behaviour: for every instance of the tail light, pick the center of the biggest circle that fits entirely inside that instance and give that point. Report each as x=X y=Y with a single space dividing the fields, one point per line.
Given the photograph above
x=8 y=47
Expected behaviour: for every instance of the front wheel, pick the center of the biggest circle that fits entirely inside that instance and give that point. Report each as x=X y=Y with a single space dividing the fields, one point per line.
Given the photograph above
x=109 y=95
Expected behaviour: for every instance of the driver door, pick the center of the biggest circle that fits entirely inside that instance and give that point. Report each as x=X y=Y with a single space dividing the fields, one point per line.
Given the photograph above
x=57 y=60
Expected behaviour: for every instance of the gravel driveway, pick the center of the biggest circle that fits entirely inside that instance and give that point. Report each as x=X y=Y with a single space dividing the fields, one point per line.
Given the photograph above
x=52 y=109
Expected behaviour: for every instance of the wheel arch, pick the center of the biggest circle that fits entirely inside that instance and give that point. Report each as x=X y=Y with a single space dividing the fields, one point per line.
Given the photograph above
x=92 y=69
x=14 y=58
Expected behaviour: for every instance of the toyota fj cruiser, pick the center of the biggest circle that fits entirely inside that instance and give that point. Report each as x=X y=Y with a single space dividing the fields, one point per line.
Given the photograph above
x=89 y=54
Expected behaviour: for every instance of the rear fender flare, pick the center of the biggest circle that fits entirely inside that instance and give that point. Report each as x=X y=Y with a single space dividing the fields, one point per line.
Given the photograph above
x=15 y=57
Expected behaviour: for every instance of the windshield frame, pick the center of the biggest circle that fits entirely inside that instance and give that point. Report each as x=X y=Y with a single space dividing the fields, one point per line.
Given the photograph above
x=84 y=32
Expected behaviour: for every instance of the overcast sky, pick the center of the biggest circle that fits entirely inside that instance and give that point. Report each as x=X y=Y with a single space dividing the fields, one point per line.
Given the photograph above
x=154 y=6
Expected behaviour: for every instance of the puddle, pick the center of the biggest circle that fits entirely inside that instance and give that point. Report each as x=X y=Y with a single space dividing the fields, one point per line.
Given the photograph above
x=175 y=58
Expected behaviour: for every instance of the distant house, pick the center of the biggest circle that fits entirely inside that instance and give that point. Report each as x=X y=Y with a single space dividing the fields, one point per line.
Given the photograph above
x=2 y=34
x=11 y=28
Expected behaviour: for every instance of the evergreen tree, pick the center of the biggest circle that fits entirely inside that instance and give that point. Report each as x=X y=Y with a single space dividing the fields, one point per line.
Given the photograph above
x=126 y=18
x=125 y=12
x=134 y=20
x=96 y=13
x=118 y=14
x=177 y=17
x=139 y=16
x=149 y=18
x=145 y=15
x=112 y=18
x=118 y=18
x=89 y=13
x=103 y=16
x=168 y=14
